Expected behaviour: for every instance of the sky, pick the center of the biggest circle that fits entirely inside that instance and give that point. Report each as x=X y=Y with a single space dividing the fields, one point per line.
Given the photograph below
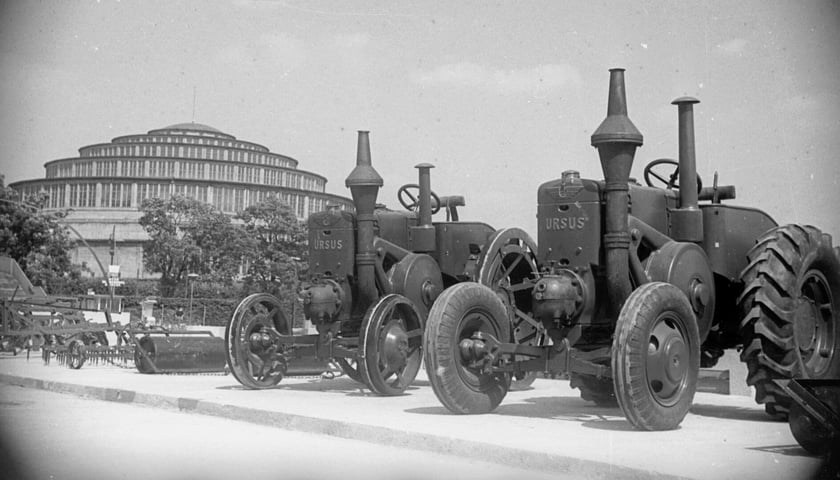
x=499 y=96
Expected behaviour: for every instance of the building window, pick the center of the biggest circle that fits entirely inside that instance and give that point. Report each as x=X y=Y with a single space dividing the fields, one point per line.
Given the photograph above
x=115 y=195
x=91 y=196
x=239 y=203
x=105 y=198
x=126 y=195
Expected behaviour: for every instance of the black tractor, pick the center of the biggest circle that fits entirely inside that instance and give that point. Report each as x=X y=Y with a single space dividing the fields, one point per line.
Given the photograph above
x=373 y=275
x=639 y=286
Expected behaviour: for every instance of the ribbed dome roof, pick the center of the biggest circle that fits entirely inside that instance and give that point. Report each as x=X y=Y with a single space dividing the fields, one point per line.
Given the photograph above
x=192 y=126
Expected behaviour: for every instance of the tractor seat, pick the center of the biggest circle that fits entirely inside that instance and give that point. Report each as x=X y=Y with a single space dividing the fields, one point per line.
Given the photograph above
x=716 y=194
x=450 y=203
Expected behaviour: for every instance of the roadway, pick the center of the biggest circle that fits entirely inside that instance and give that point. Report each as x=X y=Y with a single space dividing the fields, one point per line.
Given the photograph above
x=547 y=429
x=61 y=436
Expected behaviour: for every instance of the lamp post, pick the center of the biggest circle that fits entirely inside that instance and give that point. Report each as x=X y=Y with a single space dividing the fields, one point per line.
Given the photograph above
x=191 y=278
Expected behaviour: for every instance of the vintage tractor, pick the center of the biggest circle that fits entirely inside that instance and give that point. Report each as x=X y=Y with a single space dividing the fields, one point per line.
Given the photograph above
x=373 y=275
x=639 y=286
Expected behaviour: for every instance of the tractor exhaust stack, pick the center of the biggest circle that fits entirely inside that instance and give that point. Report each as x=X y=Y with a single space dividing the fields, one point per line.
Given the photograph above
x=687 y=221
x=616 y=140
x=423 y=235
x=364 y=183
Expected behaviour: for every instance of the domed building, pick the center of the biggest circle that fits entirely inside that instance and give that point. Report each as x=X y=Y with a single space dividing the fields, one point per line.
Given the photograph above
x=104 y=186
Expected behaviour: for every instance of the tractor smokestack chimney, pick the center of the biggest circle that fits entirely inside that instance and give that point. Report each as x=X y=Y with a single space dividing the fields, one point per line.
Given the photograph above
x=616 y=140
x=423 y=235
x=687 y=221
x=364 y=183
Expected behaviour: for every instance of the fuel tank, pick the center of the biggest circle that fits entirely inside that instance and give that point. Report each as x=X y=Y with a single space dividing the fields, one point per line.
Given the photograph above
x=569 y=221
x=332 y=243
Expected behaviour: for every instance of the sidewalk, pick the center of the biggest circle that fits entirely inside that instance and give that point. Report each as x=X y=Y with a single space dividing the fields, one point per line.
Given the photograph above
x=546 y=428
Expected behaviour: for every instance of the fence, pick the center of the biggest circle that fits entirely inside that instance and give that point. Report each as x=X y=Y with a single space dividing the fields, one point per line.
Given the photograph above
x=199 y=311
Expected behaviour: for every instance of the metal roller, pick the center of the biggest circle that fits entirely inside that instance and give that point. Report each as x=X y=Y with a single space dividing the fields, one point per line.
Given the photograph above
x=180 y=354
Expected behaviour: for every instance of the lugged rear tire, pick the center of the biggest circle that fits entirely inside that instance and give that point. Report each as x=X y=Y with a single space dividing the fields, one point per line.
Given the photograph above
x=789 y=306
x=457 y=313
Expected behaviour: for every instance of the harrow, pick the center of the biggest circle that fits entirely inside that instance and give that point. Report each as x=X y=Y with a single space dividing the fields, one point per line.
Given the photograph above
x=60 y=330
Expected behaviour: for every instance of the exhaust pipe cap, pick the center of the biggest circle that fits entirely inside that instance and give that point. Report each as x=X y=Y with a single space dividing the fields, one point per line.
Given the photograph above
x=617 y=127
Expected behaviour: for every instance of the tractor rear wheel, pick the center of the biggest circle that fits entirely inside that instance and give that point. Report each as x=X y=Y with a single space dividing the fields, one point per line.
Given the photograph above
x=350 y=367
x=250 y=341
x=790 y=304
x=458 y=313
x=508 y=264
x=656 y=357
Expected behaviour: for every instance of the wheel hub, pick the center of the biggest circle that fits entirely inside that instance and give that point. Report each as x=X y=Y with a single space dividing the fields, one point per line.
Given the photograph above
x=674 y=353
x=805 y=324
x=813 y=325
x=395 y=347
x=667 y=361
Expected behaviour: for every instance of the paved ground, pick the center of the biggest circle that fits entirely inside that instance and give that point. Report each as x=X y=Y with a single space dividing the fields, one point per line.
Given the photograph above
x=90 y=439
x=547 y=428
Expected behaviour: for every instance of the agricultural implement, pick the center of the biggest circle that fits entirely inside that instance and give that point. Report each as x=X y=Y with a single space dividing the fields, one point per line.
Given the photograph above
x=638 y=286
x=373 y=275
x=815 y=414
x=57 y=326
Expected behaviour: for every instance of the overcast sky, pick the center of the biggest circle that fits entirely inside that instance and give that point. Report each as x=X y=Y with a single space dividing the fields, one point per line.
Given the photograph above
x=500 y=96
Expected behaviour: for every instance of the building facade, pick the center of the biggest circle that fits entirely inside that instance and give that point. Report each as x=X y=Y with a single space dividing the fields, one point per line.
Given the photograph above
x=104 y=186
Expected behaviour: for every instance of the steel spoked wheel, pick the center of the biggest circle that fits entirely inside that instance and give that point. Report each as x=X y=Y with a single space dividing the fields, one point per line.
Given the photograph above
x=456 y=377
x=252 y=346
x=76 y=354
x=392 y=345
x=350 y=367
x=790 y=302
x=656 y=357
x=507 y=265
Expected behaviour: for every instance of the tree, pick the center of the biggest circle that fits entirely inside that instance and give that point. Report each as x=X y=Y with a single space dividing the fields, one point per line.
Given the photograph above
x=37 y=240
x=187 y=236
x=278 y=247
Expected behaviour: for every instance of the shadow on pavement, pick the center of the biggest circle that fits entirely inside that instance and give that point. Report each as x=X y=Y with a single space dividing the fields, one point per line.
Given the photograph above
x=789 y=450
x=341 y=385
x=732 y=413
x=554 y=408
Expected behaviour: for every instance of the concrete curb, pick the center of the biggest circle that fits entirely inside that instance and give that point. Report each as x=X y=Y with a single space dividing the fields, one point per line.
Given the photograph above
x=487 y=452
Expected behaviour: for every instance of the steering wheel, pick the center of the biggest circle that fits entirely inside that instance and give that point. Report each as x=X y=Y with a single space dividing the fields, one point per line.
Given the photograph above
x=410 y=200
x=671 y=182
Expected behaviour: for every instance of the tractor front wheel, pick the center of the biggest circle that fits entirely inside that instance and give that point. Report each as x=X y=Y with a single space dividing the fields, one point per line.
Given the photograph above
x=458 y=381
x=790 y=305
x=656 y=357
x=392 y=340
